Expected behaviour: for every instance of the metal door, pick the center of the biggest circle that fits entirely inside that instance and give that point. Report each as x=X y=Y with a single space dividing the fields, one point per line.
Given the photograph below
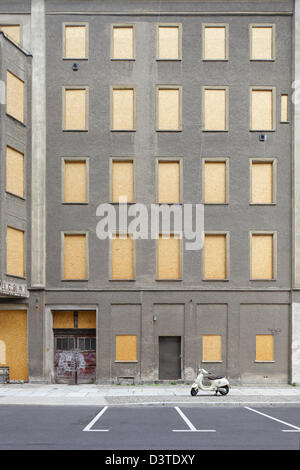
x=169 y=357
x=75 y=359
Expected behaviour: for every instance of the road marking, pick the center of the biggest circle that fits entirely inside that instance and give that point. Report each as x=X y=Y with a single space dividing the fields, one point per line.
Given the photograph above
x=190 y=425
x=94 y=420
x=296 y=428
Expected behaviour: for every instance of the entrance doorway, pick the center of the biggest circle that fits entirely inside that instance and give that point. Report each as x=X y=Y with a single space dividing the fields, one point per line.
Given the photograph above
x=170 y=357
x=75 y=357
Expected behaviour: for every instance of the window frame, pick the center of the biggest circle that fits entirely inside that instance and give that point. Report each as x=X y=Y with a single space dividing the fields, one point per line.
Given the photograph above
x=258 y=160
x=257 y=361
x=121 y=159
x=87 y=262
x=225 y=160
x=75 y=23
x=178 y=235
x=288 y=108
x=77 y=159
x=216 y=87
x=110 y=257
x=263 y=25
x=212 y=362
x=274 y=253
x=168 y=87
x=227 y=255
x=123 y=25
x=24 y=122
x=170 y=25
x=64 y=94
x=13 y=146
x=216 y=25
x=24 y=251
x=116 y=361
x=122 y=87
x=169 y=160
x=10 y=38
x=274 y=110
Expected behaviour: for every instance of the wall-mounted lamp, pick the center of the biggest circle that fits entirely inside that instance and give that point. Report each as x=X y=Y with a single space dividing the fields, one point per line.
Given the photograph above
x=75 y=67
x=154 y=317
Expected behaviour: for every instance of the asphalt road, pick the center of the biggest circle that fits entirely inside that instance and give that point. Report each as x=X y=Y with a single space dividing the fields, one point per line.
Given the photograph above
x=151 y=428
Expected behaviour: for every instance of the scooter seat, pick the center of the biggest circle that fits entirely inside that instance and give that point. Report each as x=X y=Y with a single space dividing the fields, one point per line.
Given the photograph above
x=214 y=377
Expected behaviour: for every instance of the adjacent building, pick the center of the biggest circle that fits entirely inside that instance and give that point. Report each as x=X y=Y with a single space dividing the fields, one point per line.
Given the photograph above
x=169 y=103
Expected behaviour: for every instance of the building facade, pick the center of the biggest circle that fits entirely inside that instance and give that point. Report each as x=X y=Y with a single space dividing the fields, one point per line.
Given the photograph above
x=181 y=102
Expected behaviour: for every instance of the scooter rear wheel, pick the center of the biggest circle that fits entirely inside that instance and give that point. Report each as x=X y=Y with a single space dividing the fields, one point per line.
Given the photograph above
x=194 y=392
x=224 y=390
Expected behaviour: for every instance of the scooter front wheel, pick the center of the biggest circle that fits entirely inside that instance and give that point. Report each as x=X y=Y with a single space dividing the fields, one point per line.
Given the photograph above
x=194 y=392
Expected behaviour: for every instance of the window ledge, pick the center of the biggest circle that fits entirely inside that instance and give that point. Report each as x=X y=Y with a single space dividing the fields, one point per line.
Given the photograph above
x=115 y=59
x=74 y=280
x=75 y=130
x=272 y=362
x=179 y=59
x=75 y=58
x=122 y=130
x=129 y=362
x=215 y=362
x=169 y=280
x=262 y=130
x=215 y=130
x=215 y=60
x=16 y=120
x=16 y=195
x=15 y=276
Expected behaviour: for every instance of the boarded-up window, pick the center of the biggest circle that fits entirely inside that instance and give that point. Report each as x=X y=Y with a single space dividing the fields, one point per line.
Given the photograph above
x=126 y=348
x=12 y=31
x=75 y=181
x=122 y=180
x=13 y=337
x=75 y=109
x=215 y=43
x=168 y=182
x=264 y=348
x=284 y=108
x=262 y=256
x=211 y=348
x=215 y=118
x=123 y=42
x=75 y=42
x=14 y=96
x=262 y=43
x=15 y=252
x=215 y=182
x=14 y=172
x=122 y=257
x=63 y=319
x=168 y=257
x=87 y=319
x=168 y=42
x=262 y=110
x=75 y=256
x=262 y=183
x=215 y=263
x=123 y=109
x=169 y=112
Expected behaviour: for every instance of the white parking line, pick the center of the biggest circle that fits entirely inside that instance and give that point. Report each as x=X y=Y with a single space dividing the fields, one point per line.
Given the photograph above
x=94 y=420
x=296 y=428
x=190 y=425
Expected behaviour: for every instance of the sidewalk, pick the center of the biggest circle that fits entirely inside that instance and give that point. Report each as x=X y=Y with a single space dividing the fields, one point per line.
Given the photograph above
x=143 y=395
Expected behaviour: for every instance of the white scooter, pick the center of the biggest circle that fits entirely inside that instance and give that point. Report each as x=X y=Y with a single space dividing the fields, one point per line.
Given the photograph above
x=216 y=384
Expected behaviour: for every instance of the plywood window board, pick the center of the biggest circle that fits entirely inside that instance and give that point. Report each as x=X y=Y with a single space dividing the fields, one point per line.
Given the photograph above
x=168 y=182
x=215 y=182
x=75 y=41
x=262 y=189
x=122 y=258
x=284 y=116
x=123 y=42
x=168 y=109
x=215 y=42
x=215 y=256
x=126 y=348
x=75 y=256
x=13 y=31
x=262 y=42
x=75 y=112
x=215 y=109
x=122 y=180
x=15 y=255
x=14 y=172
x=262 y=256
x=87 y=319
x=262 y=109
x=63 y=319
x=75 y=181
x=15 y=96
x=264 y=348
x=211 y=348
x=123 y=109
x=14 y=343
x=169 y=258
x=169 y=42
